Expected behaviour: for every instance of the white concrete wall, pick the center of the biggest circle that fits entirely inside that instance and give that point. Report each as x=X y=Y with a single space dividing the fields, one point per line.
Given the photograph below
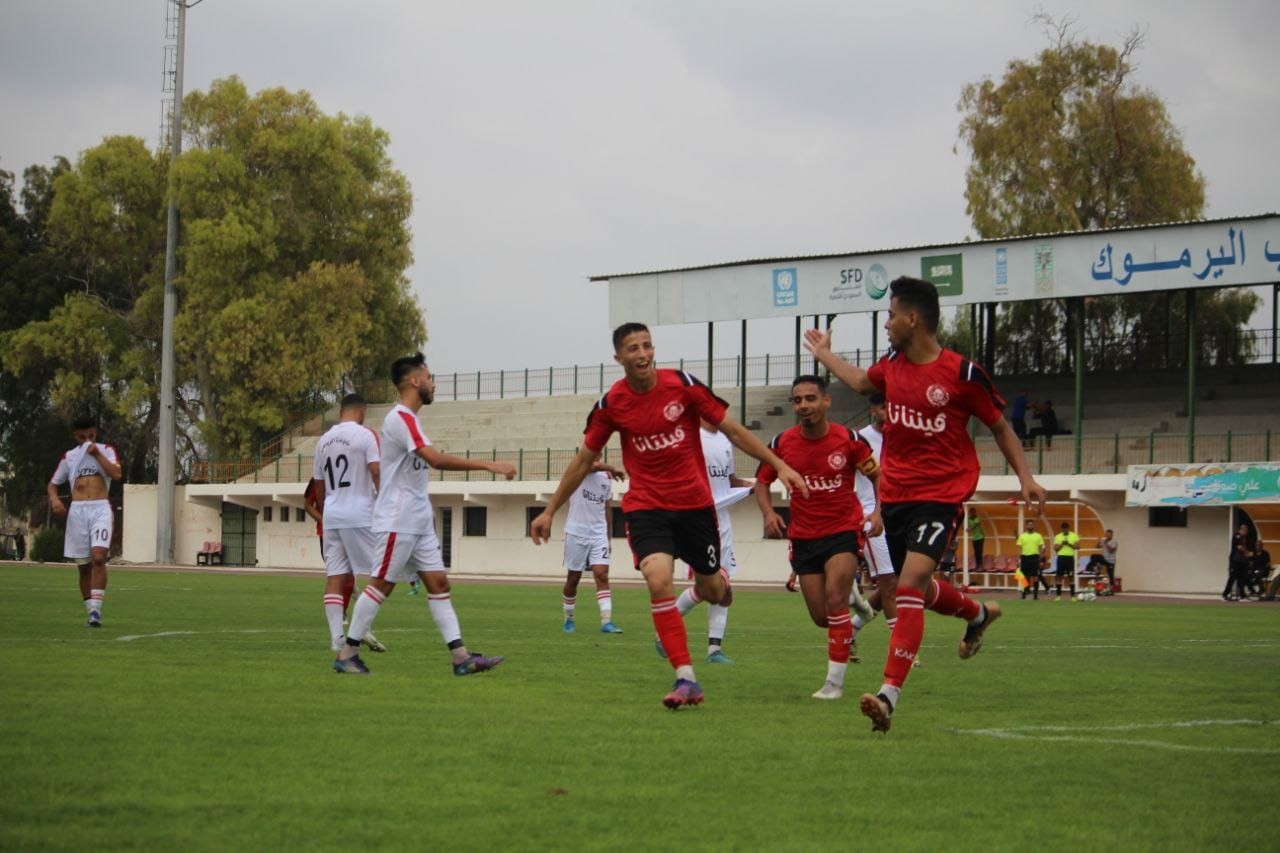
x=1191 y=559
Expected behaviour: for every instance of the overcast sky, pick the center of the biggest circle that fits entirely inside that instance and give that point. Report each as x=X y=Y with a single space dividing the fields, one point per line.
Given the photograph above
x=549 y=141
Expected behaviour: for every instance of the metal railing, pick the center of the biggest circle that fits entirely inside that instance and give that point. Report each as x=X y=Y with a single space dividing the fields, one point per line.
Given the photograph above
x=1098 y=454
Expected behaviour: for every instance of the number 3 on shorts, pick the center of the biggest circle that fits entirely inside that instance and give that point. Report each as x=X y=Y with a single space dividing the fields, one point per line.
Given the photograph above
x=923 y=530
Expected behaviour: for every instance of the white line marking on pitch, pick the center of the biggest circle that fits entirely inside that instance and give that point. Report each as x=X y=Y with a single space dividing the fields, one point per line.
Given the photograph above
x=128 y=638
x=1084 y=736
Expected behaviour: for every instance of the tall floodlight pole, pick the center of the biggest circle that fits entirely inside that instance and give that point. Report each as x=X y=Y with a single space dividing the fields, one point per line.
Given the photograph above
x=167 y=449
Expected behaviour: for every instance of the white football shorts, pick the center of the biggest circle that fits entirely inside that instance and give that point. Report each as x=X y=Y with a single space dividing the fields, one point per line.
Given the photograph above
x=400 y=556
x=349 y=550
x=89 y=525
x=583 y=552
x=875 y=551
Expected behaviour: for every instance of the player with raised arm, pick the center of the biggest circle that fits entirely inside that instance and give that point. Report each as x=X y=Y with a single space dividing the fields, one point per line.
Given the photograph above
x=586 y=544
x=930 y=469
x=668 y=509
x=404 y=522
x=826 y=527
x=89 y=467
x=344 y=481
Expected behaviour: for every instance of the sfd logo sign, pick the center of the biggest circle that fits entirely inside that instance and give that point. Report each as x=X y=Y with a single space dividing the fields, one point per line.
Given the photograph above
x=784 y=288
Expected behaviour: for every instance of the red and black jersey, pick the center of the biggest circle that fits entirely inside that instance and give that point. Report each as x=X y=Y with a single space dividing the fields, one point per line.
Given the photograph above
x=829 y=466
x=928 y=454
x=661 y=449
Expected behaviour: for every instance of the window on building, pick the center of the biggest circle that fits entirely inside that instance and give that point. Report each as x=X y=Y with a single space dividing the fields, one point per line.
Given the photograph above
x=475 y=521
x=1166 y=516
x=444 y=517
x=266 y=513
x=299 y=514
x=530 y=513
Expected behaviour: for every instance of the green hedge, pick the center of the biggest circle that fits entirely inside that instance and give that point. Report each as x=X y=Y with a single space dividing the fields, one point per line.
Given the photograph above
x=46 y=547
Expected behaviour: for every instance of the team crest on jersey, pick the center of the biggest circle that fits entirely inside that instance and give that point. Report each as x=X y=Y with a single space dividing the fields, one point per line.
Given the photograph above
x=938 y=395
x=837 y=461
x=673 y=411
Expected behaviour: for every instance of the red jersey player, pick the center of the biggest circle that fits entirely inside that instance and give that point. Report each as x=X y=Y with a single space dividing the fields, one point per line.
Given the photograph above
x=668 y=510
x=825 y=527
x=930 y=468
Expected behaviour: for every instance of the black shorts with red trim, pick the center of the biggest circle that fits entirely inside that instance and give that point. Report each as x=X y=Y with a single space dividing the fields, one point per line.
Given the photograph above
x=692 y=535
x=810 y=556
x=926 y=527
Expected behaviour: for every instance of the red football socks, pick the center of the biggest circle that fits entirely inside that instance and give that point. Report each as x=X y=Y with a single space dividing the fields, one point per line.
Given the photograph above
x=839 y=636
x=950 y=601
x=671 y=634
x=904 y=643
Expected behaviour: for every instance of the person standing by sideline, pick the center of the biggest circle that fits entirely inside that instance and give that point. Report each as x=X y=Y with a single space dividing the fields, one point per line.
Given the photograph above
x=826 y=528
x=405 y=523
x=1031 y=553
x=1109 y=546
x=930 y=469
x=977 y=538
x=1065 y=543
x=586 y=545
x=1244 y=546
x=89 y=467
x=669 y=511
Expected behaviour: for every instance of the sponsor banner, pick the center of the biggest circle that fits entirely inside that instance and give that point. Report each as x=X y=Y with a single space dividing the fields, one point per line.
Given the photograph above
x=1226 y=253
x=1203 y=484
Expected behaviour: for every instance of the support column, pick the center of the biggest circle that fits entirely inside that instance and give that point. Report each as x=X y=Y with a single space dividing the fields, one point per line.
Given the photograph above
x=1193 y=359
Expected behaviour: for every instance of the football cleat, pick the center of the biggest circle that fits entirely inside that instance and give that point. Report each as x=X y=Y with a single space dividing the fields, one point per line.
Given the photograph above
x=662 y=653
x=685 y=692
x=972 y=640
x=351 y=666
x=610 y=628
x=853 y=652
x=95 y=619
x=878 y=709
x=861 y=606
x=372 y=642
x=475 y=663
x=718 y=656
x=829 y=691
x=569 y=627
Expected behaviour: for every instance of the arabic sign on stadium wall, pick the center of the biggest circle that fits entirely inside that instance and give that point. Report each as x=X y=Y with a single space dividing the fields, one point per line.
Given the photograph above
x=1168 y=257
x=1207 y=484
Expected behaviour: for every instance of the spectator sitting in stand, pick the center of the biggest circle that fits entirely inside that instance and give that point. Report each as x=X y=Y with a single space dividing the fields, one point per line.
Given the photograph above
x=1048 y=423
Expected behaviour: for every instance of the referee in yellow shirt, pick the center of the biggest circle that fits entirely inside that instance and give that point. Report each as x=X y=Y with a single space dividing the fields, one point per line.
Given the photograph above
x=1031 y=546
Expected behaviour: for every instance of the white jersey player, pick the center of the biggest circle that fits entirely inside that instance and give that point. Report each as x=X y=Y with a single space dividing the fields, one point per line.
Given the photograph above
x=876 y=551
x=89 y=467
x=586 y=545
x=405 y=523
x=727 y=489
x=345 y=478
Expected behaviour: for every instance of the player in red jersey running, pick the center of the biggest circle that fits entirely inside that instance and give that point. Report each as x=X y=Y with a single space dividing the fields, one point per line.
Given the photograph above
x=668 y=509
x=826 y=527
x=930 y=468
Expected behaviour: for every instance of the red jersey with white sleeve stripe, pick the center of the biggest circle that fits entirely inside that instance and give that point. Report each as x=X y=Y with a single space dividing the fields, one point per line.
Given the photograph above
x=928 y=454
x=829 y=466
x=661 y=449
x=402 y=505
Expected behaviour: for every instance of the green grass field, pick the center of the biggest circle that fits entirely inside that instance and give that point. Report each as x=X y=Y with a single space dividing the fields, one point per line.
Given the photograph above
x=204 y=716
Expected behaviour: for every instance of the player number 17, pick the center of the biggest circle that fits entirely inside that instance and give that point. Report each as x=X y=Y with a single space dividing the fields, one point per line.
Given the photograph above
x=937 y=526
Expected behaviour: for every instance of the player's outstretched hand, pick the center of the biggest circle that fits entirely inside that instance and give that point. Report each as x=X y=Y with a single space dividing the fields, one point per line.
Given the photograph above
x=874 y=525
x=816 y=339
x=506 y=469
x=1033 y=491
x=793 y=481
x=540 y=528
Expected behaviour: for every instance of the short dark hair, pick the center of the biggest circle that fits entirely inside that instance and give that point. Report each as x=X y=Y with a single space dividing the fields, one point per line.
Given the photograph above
x=1066 y=525
x=352 y=401
x=875 y=398
x=620 y=333
x=812 y=379
x=402 y=367
x=918 y=295
x=84 y=422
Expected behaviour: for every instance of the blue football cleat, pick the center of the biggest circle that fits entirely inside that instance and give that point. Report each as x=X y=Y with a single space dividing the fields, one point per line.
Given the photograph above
x=719 y=657
x=475 y=663
x=684 y=693
x=610 y=628
x=351 y=666
x=569 y=626
x=662 y=653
